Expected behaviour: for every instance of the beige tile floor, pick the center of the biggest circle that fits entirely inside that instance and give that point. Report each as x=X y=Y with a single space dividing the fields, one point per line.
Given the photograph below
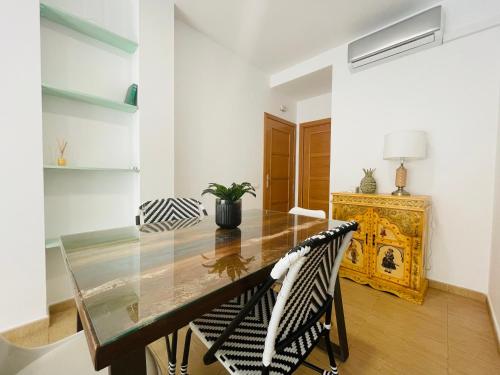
x=448 y=334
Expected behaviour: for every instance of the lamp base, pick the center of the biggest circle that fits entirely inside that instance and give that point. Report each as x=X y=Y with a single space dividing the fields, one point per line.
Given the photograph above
x=400 y=192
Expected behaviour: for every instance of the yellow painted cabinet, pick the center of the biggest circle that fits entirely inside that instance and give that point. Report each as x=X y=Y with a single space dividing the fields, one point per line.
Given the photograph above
x=388 y=250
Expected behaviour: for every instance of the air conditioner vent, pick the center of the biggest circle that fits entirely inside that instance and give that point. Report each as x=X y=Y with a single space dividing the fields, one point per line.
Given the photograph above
x=420 y=31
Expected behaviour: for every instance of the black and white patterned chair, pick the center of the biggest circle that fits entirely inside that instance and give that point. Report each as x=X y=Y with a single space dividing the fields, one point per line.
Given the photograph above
x=168 y=214
x=264 y=332
x=169 y=209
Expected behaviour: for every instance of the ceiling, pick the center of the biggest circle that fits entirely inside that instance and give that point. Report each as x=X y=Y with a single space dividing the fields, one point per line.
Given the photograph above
x=308 y=86
x=275 y=34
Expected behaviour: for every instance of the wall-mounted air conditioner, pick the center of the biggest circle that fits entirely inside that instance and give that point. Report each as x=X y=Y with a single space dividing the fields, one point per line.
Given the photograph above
x=423 y=30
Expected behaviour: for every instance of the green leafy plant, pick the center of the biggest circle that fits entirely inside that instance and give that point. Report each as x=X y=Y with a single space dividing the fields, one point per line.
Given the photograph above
x=232 y=193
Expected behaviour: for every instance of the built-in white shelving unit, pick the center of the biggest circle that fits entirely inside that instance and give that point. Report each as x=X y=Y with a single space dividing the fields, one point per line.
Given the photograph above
x=89 y=60
x=88 y=99
x=91 y=29
x=92 y=169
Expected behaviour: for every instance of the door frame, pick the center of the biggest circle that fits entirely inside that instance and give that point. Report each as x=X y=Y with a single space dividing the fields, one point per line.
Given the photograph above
x=265 y=195
x=302 y=128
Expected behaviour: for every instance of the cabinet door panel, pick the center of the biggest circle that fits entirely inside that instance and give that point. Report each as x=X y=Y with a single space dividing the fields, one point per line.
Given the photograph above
x=356 y=257
x=391 y=258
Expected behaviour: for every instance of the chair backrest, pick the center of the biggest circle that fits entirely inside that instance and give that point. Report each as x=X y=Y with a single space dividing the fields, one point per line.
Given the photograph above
x=169 y=209
x=320 y=214
x=311 y=272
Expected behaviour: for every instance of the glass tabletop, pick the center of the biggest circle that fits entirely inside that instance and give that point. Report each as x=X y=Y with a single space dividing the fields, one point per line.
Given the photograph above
x=129 y=277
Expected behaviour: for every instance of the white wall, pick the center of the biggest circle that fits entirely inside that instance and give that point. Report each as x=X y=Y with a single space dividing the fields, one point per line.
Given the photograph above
x=156 y=98
x=315 y=108
x=22 y=257
x=494 y=287
x=219 y=110
x=451 y=92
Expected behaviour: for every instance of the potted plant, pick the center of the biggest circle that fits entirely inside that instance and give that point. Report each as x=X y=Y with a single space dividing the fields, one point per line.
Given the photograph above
x=228 y=203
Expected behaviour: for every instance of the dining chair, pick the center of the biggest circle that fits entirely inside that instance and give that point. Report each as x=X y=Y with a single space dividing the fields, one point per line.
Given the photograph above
x=264 y=332
x=169 y=209
x=68 y=356
x=320 y=214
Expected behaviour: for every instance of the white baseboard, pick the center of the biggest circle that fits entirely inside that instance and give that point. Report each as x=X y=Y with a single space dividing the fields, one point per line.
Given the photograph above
x=494 y=321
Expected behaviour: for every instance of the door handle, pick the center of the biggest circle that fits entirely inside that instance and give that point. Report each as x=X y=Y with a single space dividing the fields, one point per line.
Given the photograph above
x=267 y=181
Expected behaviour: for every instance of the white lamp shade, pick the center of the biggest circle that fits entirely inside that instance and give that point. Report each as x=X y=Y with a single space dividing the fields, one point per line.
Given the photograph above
x=405 y=144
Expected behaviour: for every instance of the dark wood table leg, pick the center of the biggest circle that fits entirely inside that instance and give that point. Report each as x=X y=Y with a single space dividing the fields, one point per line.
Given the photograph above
x=341 y=350
x=79 y=326
x=134 y=363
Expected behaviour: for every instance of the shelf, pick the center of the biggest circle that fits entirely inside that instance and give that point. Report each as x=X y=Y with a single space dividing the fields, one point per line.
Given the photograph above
x=88 y=28
x=52 y=243
x=91 y=169
x=87 y=98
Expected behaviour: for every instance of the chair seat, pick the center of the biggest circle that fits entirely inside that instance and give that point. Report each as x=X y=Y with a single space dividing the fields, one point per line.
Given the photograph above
x=242 y=351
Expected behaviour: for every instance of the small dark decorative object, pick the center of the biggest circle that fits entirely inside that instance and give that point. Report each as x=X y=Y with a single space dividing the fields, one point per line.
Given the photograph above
x=131 y=96
x=228 y=203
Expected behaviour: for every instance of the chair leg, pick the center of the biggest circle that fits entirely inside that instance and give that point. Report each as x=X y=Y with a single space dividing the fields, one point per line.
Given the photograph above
x=331 y=357
x=326 y=335
x=172 y=353
x=333 y=365
x=185 y=356
x=328 y=343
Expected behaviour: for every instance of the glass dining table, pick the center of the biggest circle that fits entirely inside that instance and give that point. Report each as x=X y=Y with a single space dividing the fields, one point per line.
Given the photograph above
x=134 y=285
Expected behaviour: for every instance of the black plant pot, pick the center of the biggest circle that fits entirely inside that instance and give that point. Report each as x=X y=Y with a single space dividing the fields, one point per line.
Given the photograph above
x=227 y=213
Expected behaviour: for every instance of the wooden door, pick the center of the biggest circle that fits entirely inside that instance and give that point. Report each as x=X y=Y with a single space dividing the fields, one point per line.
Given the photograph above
x=279 y=164
x=314 y=165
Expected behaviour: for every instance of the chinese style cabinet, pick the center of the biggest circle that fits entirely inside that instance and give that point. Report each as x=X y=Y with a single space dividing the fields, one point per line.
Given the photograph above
x=388 y=250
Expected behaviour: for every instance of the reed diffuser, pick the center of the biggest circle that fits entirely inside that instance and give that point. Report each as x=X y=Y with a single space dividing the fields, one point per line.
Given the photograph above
x=61 y=145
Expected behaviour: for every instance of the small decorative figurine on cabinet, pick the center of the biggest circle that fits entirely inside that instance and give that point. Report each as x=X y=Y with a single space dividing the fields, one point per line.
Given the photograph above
x=368 y=184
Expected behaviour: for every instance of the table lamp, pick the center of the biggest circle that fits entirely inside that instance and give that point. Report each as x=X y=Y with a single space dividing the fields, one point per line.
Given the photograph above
x=403 y=146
